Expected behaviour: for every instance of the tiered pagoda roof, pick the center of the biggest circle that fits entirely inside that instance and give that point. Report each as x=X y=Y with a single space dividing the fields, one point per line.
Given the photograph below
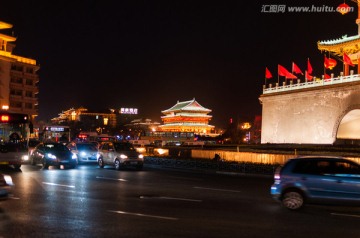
x=187 y=116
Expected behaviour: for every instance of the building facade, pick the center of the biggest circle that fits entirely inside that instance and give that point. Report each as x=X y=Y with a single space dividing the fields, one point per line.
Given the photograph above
x=18 y=77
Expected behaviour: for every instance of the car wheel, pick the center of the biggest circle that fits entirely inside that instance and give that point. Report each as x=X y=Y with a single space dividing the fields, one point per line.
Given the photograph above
x=139 y=167
x=17 y=166
x=117 y=164
x=293 y=200
x=101 y=162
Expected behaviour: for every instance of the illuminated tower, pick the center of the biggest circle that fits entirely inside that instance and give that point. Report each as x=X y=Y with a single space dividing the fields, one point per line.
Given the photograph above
x=346 y=44
x=18 y=78
x=188 y=116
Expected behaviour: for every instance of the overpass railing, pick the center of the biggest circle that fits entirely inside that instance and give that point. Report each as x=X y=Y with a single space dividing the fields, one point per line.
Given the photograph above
x=311 y=84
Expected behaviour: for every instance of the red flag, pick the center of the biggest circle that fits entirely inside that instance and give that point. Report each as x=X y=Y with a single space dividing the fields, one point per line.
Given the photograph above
x=326 y=62
x=347 y=60
x=296 y=69
x=327 y=77
x=283 y=72
x=268 y=74
x=309 y=67
x=308 y=76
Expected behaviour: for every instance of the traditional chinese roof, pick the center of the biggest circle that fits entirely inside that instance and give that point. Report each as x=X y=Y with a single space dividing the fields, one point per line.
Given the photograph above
x=191 y=105
x=349 y=45
x=184 y=114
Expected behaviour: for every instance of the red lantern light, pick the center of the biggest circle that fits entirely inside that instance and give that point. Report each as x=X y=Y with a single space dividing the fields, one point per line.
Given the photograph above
x=343 y=8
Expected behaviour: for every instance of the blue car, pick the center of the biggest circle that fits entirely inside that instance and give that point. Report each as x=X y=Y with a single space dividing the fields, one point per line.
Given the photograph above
x=317 y=179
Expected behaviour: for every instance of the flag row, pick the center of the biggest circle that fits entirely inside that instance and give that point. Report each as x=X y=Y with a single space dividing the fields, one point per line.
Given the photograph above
x=329 y=63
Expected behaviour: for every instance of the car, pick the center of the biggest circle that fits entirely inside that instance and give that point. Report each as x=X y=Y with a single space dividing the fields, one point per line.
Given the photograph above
x=317 y=180
x=86 y=152
x=120 y=155
x=53 y=154
x=6 y=185
x=13 y=154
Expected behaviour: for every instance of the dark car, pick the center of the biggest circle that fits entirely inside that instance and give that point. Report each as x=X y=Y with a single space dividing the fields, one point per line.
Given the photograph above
x=53 y=154
x=6 y=185
x=120 y=154
x=317 y=179
x=86 y=152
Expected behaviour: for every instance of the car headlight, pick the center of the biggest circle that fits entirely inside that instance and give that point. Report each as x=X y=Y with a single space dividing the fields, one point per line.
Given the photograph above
x=82 y=153
x=123 y=156
x=74 y=156
x=8 y=180
x=97 y=155
x=51 y=156
x=141 y=156
x=25 y=157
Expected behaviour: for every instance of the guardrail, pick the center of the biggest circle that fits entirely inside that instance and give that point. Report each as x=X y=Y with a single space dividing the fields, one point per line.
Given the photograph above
x=311 y=84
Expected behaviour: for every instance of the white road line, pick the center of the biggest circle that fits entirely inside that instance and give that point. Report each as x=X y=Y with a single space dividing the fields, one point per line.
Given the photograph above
x=98 y=177
x=62 y=185
x=345 y=215
x=143 y=215
x=217 y=189
x=171 y=198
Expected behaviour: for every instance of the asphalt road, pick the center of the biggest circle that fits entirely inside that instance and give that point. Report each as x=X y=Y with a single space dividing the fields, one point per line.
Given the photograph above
x=159 y=202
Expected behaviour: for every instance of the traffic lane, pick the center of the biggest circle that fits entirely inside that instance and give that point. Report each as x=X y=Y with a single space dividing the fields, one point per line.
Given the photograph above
x=163 y=203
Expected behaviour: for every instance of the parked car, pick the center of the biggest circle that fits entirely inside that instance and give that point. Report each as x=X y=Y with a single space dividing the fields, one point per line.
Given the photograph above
x=317 y=179
x=53 y=154
x=85 y=151
x=6 y=185
x=120 y=154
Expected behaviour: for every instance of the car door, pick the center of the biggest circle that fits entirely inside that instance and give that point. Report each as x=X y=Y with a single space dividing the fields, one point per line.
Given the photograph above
x=111 y=153
x=346 y=180
x=104 y=152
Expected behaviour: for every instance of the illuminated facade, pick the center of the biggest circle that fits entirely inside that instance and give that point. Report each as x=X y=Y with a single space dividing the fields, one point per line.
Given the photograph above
x=187 y=116
x=321 y=111
x=82 y=114
x=18 y=78
x=349 y=45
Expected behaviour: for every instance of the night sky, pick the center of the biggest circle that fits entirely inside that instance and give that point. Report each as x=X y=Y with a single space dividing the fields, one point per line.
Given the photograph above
x=150 y=54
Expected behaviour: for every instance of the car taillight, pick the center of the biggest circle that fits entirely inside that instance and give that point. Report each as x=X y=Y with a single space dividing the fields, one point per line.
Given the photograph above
x=277 y=173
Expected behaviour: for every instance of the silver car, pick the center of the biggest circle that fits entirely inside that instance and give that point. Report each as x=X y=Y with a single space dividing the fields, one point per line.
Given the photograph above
x=86 y=152
x=120 y=155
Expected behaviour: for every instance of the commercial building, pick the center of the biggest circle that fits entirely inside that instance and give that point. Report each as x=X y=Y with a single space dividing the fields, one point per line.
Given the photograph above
x=18 y=77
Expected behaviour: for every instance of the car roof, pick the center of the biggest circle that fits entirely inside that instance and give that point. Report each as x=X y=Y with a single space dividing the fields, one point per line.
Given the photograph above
x=318 y=157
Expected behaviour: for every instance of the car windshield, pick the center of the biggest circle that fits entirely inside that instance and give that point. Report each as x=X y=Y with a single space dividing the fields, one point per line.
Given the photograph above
x=86 y=147
x=123 y=147
x=55 y=147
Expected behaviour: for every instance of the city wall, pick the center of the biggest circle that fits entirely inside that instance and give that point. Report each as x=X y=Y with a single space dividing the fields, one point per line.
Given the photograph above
x=307 y=116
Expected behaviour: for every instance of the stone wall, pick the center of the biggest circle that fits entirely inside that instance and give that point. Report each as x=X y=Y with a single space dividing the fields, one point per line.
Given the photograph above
x=307 y=116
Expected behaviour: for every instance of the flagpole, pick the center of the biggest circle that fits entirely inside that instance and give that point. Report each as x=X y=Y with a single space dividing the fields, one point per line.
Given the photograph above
x=278 y=75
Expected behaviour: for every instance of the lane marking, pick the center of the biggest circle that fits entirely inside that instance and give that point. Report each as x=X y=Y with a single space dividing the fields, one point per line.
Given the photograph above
x=99 y=177
x=61 y=185
x=171 y=198
x=143 y=215
x=345 y=215
x=217 y=189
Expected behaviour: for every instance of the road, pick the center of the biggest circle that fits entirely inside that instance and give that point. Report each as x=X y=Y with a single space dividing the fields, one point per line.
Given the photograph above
x=158 y=202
